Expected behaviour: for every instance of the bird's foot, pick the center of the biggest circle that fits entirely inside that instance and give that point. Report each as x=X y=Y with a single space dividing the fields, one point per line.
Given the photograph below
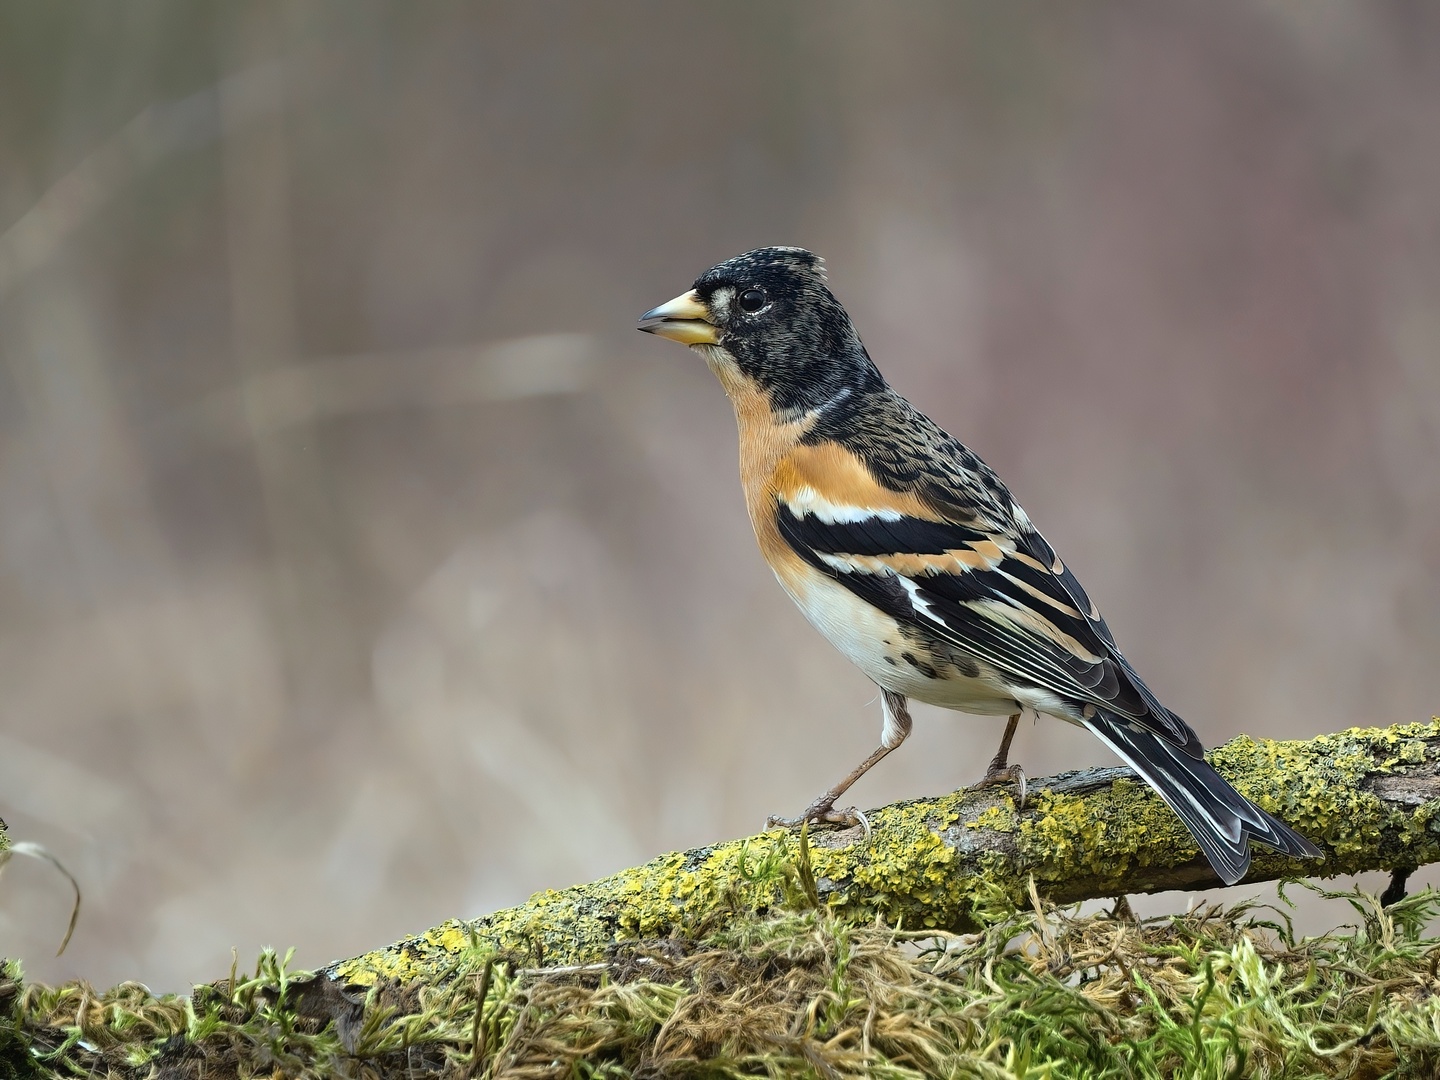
x=822 y=812
x=1000 y=773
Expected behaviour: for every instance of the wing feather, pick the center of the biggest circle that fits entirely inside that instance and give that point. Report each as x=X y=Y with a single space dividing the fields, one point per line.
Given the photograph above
x=1023 y=613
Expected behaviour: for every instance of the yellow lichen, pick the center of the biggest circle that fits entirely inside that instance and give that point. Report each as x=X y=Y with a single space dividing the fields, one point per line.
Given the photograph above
x=945 y=862
x=997 y=818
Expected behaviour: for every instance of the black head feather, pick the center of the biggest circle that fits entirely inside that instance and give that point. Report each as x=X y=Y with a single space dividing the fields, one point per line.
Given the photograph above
x=785 y=328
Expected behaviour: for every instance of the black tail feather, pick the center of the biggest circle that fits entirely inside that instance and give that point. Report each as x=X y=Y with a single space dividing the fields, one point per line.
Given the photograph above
x=1222 y=820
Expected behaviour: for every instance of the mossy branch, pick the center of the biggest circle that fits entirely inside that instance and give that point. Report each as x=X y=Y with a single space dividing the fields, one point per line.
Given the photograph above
x=1368 y=796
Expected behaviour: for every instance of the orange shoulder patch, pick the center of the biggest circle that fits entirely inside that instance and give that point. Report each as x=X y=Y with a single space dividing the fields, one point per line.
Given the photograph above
x=829 y=479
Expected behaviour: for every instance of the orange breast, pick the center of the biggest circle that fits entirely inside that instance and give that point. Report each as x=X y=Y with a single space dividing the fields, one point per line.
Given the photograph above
x=764 y=445
x=775 y=466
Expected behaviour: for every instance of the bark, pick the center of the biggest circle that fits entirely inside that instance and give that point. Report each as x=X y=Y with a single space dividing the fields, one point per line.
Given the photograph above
x=1369 y=797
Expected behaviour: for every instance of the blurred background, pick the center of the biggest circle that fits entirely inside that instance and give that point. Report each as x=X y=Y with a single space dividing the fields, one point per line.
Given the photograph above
x=360 y=566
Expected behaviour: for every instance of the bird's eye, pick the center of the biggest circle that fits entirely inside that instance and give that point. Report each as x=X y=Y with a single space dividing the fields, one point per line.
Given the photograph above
x=752 y=300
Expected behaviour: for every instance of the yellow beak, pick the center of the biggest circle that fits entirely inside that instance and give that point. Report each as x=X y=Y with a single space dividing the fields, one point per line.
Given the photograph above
x=685 y=319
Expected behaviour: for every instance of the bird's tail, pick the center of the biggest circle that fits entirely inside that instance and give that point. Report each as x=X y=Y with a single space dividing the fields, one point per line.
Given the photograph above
x=1222 y=820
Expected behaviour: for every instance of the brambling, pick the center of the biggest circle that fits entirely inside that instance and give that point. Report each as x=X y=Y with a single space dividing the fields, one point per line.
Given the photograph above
x=911 y=556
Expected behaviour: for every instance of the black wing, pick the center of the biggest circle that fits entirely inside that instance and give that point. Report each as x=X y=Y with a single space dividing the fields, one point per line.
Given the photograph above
x=1002 y=596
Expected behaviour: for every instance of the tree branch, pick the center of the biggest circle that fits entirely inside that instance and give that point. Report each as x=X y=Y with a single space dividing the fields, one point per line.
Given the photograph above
x=1368 y=796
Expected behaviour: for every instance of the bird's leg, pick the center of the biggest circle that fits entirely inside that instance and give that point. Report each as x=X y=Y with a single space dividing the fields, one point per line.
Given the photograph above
x=1000 y=771
x=1001 y=761
x=822 y=810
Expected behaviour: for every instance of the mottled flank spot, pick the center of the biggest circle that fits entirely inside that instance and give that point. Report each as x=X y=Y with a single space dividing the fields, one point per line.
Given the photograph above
x=920 y=665
x=891 y=660
x=967 y=667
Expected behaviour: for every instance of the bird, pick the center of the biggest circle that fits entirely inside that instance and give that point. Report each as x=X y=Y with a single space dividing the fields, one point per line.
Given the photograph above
x=911 y=556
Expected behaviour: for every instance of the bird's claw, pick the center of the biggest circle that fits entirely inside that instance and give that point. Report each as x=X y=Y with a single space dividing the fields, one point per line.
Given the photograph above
x=822 y=815
x=1004 y=774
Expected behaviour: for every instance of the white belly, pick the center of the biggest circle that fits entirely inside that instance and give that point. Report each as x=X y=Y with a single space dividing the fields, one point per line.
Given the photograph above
x=874 y=643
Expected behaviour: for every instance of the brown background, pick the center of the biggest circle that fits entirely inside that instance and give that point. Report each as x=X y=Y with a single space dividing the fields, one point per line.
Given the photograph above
x=361 y=566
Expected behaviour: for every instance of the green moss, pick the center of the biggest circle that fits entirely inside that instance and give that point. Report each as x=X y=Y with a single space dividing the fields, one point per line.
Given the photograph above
x=783 y=954
x=1039 y=994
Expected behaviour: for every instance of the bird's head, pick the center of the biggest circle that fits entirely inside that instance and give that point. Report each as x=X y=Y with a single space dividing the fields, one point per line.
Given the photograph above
x=766 y=321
